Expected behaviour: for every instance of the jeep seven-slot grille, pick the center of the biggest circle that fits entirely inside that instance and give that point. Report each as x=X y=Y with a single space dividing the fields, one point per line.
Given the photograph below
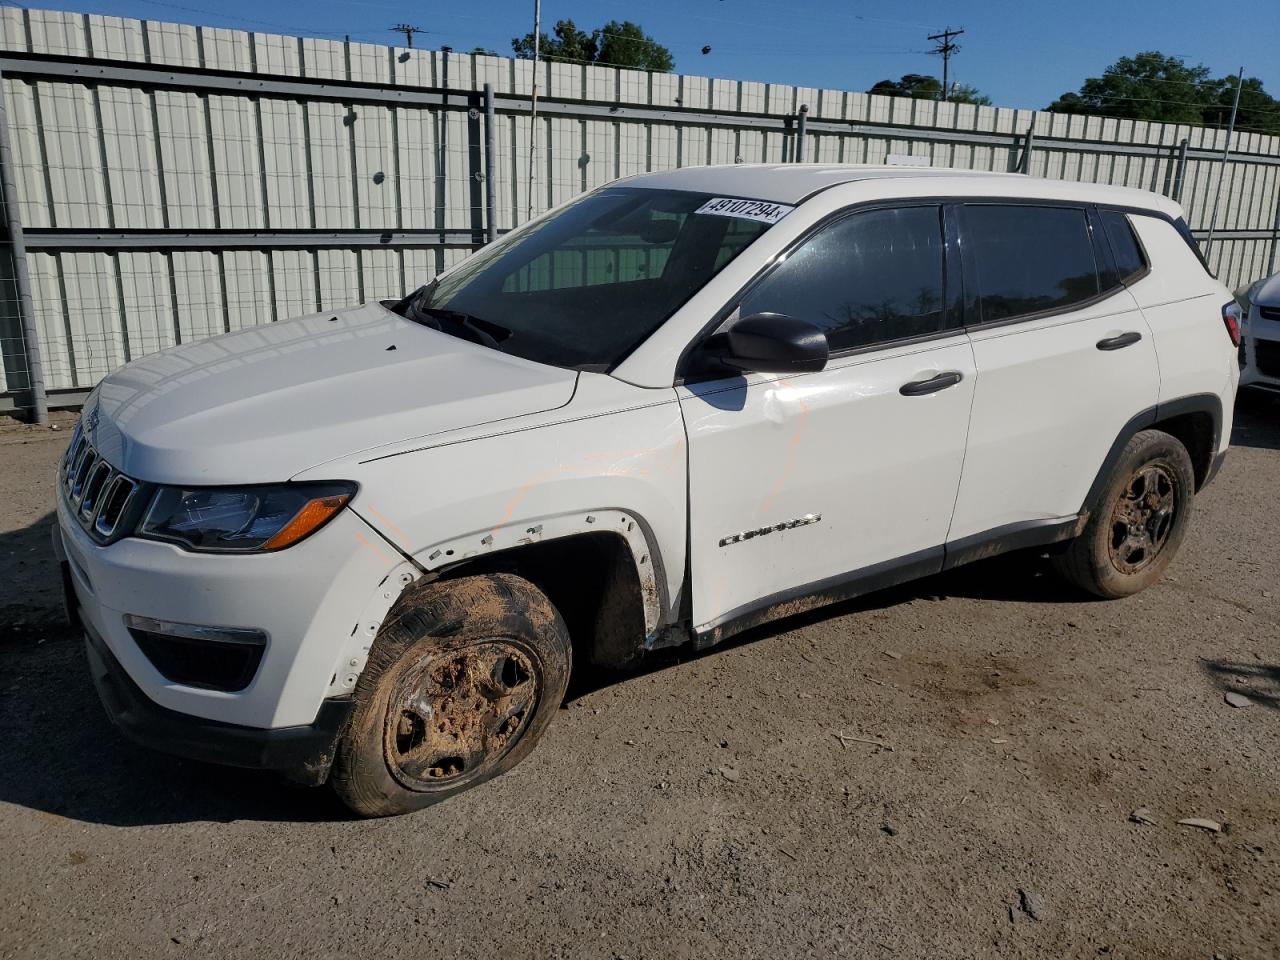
x=98 y=495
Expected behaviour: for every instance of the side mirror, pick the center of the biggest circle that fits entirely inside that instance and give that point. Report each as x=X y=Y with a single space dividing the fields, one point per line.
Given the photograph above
x=769 y=343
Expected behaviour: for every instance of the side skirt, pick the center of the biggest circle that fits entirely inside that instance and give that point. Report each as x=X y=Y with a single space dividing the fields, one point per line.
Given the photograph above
x=880 y=576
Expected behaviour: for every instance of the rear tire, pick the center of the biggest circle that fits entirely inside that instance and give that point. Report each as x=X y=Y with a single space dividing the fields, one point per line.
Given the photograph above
x=1139 y=522
x=462 y=680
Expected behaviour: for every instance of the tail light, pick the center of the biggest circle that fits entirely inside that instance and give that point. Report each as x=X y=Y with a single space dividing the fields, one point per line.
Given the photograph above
x=1231 y=317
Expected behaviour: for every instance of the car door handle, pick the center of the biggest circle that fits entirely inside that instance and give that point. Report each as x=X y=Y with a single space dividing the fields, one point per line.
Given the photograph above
x=1123 y=340
x=918 y=388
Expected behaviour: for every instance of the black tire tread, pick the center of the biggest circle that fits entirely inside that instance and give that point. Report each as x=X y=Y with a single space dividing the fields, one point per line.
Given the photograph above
x=445 y=612
x=1081 y=563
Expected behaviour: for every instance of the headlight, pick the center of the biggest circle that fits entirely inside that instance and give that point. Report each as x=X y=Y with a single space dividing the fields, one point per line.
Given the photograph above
x=242 y=519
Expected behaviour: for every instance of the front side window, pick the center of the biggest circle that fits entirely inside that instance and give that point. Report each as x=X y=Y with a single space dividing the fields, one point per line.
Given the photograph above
x=587 y=285
x=1030 y=259
x=869 y=278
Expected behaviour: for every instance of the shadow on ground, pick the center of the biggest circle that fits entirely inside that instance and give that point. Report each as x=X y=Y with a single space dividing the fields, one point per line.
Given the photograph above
x=1258 y=681
x=1257 y=420
x=62 y=756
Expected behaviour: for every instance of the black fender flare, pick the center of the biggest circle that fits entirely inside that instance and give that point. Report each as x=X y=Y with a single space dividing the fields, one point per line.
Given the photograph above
x=1209 y=403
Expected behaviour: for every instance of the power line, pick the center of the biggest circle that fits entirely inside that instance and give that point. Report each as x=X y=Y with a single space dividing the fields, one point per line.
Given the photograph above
x=945 y=49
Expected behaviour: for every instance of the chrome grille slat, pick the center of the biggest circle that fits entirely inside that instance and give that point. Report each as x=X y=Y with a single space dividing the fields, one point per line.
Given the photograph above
x=115 y=502
x=99 y=496
x=94 y=485
x=83 y=469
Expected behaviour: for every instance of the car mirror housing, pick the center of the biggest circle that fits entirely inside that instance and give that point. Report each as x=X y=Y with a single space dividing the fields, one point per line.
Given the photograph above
x=769 y=343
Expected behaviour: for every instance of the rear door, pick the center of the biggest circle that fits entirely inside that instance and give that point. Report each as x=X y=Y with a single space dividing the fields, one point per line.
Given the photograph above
x=1064 y=357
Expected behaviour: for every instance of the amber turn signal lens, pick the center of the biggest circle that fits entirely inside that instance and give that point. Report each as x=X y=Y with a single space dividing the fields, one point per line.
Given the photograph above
x=314 y=515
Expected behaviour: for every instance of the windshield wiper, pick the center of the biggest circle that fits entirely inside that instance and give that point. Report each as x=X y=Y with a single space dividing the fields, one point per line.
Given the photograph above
x=485 y=332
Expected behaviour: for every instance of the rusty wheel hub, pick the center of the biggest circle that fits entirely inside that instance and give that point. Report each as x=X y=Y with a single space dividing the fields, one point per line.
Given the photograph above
x=1143 y=518
x=454 y=714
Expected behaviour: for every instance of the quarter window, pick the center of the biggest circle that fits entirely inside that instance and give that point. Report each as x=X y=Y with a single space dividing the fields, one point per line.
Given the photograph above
x=1030 y=259
x=869 y=278
x=1124 y=245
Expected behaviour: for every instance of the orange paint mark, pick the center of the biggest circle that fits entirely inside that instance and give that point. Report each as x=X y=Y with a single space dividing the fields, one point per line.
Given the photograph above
x=381 y=554
x=387 y=522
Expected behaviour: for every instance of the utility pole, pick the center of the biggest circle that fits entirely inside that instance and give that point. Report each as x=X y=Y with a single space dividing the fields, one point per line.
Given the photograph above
x=408 y=32
x=533 y=103
x=945 y=49
x=1222 y=166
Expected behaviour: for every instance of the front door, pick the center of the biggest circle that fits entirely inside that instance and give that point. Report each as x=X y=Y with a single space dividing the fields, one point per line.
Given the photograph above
x=799 y=481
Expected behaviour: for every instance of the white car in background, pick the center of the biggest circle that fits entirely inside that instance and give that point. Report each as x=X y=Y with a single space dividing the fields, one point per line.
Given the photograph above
x=367 y=546
x=1260 y=340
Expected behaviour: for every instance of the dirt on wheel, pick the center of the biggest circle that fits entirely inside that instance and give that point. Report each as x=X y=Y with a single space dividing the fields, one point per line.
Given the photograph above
x=983 y=764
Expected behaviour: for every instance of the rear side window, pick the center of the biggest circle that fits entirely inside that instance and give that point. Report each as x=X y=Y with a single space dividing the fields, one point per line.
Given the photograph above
x=869 y=278
x=1030 y=259
x=1130 y=262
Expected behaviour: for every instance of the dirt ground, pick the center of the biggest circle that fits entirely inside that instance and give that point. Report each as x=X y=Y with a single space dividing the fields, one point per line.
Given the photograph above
x=910 y=775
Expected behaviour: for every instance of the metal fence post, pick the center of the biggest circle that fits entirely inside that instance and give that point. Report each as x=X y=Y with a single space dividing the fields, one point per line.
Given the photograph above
x=490 y=151
x=1222 y=165
x=1181 y=173
x=1029 y=144
x=22 y=278
x=800 y=125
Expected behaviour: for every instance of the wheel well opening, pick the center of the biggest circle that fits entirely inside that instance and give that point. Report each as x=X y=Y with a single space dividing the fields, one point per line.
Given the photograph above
x=591 y=579
x=1196 y=432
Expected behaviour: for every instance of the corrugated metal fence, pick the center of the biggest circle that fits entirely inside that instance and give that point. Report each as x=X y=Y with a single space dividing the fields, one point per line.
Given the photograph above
x=176 y=182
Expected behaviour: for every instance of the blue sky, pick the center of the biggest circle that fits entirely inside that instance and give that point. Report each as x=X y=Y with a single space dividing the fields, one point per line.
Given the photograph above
x=1021 y=54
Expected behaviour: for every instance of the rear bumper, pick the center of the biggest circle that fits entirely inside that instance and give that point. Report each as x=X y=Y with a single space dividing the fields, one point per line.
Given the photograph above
x=302 y=753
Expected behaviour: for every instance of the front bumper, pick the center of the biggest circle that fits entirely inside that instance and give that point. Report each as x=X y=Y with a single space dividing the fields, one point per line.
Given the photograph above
x=313 y=602
x=1260 y=351
x=302 y=753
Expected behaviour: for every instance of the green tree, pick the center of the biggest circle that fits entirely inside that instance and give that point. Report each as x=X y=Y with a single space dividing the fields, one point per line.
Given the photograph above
x=1259 y=111
x=1149 y=86
x=625 y=44
x=967 y=93
x=615 y=44
x=922 y=87
x=915 y=85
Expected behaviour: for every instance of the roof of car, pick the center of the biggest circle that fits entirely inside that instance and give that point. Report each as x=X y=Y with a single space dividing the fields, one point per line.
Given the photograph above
x=794 y=182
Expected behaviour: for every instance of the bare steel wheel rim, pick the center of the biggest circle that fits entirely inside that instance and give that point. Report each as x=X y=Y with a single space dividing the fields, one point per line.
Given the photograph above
x=454 y=714
x=1143 y=518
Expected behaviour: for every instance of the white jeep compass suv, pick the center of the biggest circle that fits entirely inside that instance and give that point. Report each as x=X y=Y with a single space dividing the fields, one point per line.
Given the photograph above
x=365 y=546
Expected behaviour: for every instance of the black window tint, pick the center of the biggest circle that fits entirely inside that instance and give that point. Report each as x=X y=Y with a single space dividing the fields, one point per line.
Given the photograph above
x=1030 y=259
x=1124 y=245
x=868 y=278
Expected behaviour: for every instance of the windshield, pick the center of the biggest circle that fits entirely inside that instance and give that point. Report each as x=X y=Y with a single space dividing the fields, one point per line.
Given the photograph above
x=587 y=285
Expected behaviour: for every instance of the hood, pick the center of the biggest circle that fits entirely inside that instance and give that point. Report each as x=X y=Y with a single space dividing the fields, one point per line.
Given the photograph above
x=262 y=404
x=1267 y=293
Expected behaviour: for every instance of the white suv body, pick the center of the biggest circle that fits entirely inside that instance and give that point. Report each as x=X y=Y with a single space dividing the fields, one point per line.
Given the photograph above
x=1260 y=344
x=990 y=346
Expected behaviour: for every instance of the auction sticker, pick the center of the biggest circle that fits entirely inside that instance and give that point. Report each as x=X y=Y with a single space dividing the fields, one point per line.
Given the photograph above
x=761 y=210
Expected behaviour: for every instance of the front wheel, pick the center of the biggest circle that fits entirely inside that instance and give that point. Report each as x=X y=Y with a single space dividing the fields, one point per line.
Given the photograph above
x=461 y=682
x=1137 y=526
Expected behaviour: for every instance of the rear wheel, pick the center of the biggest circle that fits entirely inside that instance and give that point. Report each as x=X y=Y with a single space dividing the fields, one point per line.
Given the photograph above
x=460 y=684
x=1135 y=529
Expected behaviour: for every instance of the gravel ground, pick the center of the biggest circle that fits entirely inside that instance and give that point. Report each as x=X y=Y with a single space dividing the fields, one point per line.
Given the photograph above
x=942 y=770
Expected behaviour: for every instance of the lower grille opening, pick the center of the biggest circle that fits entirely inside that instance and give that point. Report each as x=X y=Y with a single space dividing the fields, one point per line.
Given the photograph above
x=225 y=665
x=1266 y=356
